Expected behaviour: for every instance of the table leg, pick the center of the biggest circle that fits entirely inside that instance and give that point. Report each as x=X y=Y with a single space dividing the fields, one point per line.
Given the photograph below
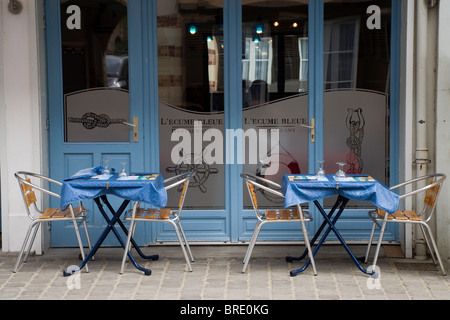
x=339 y=202
x=317 y=234
x=116 y=219
x=332 y=227
x=110 y=226
x=125 y=230
x=100 y=240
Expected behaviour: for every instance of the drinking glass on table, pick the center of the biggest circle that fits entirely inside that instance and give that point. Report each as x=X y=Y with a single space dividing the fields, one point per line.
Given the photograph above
x=123 y=172
x=340 y=173
x=106 y=169
x=320 y=171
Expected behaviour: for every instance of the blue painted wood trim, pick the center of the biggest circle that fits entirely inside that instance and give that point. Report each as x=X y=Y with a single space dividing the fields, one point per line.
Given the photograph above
x=394 y=154
x=395 y=91
x=316 y=30
x=137 y=74
x=316 y=38
x=54 y=87
x=233 y=109
x=151 y=108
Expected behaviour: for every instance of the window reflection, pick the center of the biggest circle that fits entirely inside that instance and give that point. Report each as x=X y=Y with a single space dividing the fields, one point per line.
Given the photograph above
x=356 y=96
x=275 y=49
x=95 y=70
x=96 y=55
x=275 y=68
x=191 y=88
x=190 y=54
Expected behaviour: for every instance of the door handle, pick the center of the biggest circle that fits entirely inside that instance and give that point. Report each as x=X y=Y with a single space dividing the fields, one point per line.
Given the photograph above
x=312 y=127
x=135 y=126
x=129 y=124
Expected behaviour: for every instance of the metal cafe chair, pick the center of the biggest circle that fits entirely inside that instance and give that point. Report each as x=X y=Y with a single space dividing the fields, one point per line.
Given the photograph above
x=164 y=215
x=29 y=184
x=273 y=216
x=431 y=190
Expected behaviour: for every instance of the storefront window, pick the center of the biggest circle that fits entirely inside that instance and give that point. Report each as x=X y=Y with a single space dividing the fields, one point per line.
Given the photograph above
x=191 y=95
x=356 y=88
x=95 y=70
x=275 y=88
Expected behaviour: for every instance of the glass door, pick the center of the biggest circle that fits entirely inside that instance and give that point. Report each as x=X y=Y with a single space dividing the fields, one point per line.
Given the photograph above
x=356 y=92
x=275 y=86
x=191 y=89
x=93 y=94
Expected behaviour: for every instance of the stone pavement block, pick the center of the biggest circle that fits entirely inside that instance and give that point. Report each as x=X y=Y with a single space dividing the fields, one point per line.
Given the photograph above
x=216 y=276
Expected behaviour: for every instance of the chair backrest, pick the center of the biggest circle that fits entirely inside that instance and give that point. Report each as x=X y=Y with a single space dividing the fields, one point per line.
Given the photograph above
x=28 y=185
x=252 y=182
x=432 y=194
x=28 y=193
x=432 y=190
x=182 y=181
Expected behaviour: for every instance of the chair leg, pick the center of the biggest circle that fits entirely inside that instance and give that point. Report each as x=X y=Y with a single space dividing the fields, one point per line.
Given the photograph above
x=427 y=240
x=185 y=241
x=428 y=229
x=366 y=259
x=128 y=244
x=80 y=242
x=24 y=245
x=88 y=238
x=181 y=244
x=132 y=230
x=380 y=239
x=252 y=243
x=255 y=234
x=307 y=243
x=31 y=241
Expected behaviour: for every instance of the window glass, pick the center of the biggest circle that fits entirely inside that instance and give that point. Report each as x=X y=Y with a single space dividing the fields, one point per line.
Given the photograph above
x=95 y=70
x=275 y=90
x=191 y=97
x=356 y=83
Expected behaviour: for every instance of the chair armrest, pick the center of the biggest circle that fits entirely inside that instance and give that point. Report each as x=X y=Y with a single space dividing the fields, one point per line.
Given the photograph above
x=34 y=186
x=180 y=176
x=275 y=192
x=256 y=178
x=439 y=179
x=180 y=180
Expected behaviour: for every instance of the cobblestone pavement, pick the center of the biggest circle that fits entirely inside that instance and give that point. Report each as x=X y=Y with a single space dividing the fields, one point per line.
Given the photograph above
x=217 y=276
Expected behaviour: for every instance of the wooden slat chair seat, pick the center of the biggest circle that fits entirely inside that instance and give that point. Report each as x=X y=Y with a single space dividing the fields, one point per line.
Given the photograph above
x=150 y=214
x=30 y=184
x=398 y=215
x=255 y=183
x=138 y=214
x=286 y=214
x=53 y=213
x=381 y=218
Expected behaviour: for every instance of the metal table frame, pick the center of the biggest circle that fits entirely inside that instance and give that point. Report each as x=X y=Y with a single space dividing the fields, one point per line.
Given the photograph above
x=329 y=220
x=110 y=227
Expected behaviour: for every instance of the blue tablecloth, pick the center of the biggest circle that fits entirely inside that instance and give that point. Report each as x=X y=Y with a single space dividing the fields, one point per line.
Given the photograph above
x=83 y=186
x=299 y=189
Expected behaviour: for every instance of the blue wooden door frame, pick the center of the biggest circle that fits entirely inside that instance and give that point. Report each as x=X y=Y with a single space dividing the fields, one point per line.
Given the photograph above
x=316 y=101
x=144 y=78
x=65 y=157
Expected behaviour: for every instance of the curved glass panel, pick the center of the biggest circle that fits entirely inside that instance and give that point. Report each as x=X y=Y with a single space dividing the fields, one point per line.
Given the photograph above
x=94 y=37
x=356 y=82
x=191 y=97
x=275 y=90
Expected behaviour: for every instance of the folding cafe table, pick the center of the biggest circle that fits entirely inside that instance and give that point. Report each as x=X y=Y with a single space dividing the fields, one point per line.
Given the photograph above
x=299 y=189
x=87 y=184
